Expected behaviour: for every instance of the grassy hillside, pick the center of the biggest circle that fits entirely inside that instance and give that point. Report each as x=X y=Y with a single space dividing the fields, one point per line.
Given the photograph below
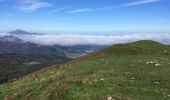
x=135 y=71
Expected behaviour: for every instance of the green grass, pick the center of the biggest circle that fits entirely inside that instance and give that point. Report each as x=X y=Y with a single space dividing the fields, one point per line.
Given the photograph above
x=121 y=72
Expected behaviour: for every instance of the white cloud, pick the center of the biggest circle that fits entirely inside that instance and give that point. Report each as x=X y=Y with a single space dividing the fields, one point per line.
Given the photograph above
x=73 y=39
x=139 y=2
x=32 y=5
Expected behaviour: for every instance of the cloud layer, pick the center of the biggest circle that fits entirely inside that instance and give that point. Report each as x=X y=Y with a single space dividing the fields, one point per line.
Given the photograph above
x=74 y=39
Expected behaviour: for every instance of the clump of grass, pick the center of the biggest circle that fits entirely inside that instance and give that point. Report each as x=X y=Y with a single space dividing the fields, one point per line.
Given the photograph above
x=78 y=81
x=63 y=88
x=93 y=80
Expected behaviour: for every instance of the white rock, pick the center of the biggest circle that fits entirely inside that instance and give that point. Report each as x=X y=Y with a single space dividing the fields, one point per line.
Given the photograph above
x=151 y=62
x=102 y=79
x=147 y=62
x=157 y=82
x=133 y=78
x=165 y=51
x=109 y=98
x=157 y=64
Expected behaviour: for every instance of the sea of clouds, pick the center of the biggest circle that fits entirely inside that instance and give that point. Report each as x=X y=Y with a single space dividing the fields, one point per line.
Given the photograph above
x=74 y=39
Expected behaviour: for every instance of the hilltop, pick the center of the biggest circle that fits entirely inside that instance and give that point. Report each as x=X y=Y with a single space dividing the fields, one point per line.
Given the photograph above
x=133 y=71
x=140 y=47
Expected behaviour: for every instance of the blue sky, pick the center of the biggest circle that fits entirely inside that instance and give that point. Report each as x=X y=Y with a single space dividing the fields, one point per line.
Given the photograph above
x=85 y=15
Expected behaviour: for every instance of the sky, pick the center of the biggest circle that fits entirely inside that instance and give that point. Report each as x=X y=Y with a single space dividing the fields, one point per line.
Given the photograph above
x=117 y=16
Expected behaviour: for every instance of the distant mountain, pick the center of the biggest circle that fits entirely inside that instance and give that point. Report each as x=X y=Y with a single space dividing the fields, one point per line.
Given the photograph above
x=10 y=39
x=14 y=45
x=28 y=49
x=21 y=32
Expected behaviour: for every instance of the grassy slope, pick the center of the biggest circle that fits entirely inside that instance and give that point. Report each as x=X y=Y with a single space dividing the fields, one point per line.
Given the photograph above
x=120 y=72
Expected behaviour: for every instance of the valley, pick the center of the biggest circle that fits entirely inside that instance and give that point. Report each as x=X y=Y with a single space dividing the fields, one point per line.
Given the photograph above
x=19 y=58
